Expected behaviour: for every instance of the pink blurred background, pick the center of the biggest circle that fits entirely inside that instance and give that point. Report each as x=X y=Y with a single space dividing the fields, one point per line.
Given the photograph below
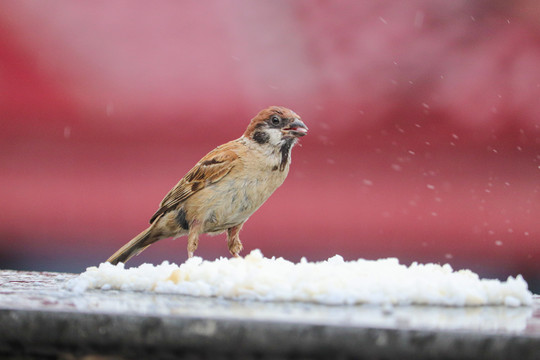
x=424 y=122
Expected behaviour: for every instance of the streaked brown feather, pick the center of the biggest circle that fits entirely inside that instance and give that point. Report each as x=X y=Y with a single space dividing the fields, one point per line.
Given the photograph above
x=209 y=170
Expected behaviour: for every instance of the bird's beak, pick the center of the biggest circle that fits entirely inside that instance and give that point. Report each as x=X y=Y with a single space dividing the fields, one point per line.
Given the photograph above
x=297 y=128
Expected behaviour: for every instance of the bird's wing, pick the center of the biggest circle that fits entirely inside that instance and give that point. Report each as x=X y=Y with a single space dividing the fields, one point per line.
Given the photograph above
x=210 y=169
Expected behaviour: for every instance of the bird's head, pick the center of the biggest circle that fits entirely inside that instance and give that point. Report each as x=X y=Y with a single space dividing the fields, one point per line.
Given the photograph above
x=275 y=125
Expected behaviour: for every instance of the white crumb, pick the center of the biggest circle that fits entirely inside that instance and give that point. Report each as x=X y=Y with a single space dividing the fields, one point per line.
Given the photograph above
x=333 y=281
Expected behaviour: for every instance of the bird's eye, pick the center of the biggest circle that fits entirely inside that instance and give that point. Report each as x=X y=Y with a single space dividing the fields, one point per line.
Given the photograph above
x=275 y=120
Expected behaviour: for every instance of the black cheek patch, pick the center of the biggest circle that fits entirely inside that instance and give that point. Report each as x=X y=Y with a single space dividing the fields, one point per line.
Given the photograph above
x=181 y=219
x=261 y=137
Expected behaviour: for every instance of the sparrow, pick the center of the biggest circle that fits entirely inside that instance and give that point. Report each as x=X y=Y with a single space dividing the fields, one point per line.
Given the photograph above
x=226 y=186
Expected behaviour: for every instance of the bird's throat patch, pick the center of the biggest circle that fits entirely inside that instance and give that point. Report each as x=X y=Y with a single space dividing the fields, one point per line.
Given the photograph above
x=285 y=151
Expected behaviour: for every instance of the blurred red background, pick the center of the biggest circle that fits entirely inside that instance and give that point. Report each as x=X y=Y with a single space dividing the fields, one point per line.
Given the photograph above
x=424 y=122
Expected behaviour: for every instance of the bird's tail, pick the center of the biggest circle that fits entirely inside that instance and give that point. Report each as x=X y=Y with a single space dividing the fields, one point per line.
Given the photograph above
x=134 y=247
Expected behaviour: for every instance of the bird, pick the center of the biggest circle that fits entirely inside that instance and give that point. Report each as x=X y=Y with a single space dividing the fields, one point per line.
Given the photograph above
x=226 y=186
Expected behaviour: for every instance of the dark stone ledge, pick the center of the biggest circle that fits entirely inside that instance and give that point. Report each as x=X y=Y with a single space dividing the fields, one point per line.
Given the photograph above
x=39 y=318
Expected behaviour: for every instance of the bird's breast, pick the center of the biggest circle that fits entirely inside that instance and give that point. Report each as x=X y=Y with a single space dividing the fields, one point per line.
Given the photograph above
x=235 y=198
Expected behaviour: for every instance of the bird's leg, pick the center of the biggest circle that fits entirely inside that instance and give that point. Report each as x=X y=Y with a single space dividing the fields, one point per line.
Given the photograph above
x=233 y=240
x=193 y=237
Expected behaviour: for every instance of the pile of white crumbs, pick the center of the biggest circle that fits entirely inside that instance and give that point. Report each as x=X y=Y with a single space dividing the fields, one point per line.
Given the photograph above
x=333 y=281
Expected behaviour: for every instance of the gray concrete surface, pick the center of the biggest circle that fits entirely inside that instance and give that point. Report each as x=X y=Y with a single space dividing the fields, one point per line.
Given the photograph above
x=39 y=318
